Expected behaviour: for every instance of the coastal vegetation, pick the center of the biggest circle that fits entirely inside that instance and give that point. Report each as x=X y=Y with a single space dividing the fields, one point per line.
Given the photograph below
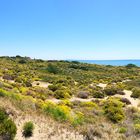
x=88 y=98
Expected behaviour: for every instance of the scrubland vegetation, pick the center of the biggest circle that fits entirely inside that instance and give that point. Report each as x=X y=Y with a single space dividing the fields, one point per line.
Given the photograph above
x=69 y=94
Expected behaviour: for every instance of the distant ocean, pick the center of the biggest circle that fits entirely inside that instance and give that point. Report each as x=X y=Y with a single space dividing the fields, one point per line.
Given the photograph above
x=112 y=62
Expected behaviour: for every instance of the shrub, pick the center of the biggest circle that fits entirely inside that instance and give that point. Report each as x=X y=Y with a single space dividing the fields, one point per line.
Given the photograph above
x=131 y=66
x=22 y=61
x=52 y=68
x=53 y=87
x=66 y=102
x=136 y=117
x=123 y=130
x=136 y=93
x=98 y=94
x=78 y=119
x=113 y=109
x=88 y=104
x=110 y=91
x=28 y=129
x=58 y=112
x=83 y=94
x=7 y=126
x=8 y=77
x=125 y=100
x=61 y=113
x=62 y=94
x=137 y=128
x=28 y=84
x=2 y=93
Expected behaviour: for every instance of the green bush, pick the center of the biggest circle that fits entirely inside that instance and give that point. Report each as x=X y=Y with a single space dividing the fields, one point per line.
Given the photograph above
x=136 y=119
x=58 y=112
x=98 y=94
x=53 y=87
x=110 y=90
x=52 y=68
x=2 y=93
x=62 y=94
x=22 y=61
x=131 y=66
x=7 y=126
x=136 y=93
x=28 y=84
x=88 y=104
x=123 y=130
x=113 y=109
x=137 y=128
x=78 y=119
x=28 y=129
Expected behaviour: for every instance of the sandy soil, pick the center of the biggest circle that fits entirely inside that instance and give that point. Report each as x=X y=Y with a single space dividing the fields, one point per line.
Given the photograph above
x=45 y=129
x=40 y=84
x=134 y=102
x=102 y=85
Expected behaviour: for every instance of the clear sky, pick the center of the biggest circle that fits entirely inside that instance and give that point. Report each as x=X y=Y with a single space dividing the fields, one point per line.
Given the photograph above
x=70 y=29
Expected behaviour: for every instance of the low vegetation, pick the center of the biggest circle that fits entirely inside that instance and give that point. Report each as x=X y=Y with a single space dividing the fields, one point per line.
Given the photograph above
x=136 y=93
x=70 y=93
x=113 y=109
x=28 y=129
x=7 y=126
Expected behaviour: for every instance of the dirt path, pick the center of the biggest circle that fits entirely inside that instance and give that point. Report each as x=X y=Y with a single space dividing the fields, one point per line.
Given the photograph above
x=134 y=102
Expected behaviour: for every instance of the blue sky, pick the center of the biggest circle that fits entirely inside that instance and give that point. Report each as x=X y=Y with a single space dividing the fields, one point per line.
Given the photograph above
x=70 y=29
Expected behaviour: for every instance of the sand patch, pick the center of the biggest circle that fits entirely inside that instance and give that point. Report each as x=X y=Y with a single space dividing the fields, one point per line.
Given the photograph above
x=134 y=102
x=102 y=85
x=40 y=84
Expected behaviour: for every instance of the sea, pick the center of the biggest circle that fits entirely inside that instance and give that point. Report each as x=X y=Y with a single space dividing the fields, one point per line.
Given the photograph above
x=112 y=62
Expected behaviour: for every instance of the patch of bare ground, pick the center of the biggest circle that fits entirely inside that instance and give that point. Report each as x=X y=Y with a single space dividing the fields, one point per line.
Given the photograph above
x=40 y=84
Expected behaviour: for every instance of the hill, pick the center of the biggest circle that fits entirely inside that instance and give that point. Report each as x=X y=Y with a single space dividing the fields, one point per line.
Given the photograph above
x=69 y=100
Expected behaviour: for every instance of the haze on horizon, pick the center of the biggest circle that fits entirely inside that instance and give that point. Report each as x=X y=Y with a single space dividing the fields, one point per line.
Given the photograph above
x=75 y=29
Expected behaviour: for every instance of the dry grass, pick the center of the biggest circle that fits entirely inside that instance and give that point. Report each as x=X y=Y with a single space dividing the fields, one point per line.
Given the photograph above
x=45 y=127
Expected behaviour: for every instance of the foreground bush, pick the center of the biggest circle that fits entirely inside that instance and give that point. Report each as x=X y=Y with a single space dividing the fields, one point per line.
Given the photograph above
x=113 y=109
x=7 y=127
x=28 y=129
x=63 y=113
x=137 y=128
x=136 y=121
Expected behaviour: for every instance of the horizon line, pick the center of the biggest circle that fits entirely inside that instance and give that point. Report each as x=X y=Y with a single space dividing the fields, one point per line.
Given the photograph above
x=74 y=59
